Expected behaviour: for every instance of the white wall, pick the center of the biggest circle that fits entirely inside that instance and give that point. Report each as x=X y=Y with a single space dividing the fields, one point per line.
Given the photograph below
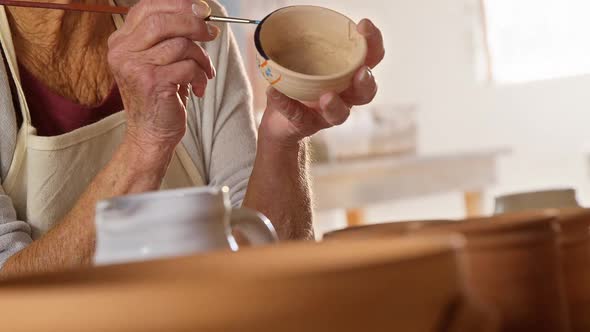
x=431 y=60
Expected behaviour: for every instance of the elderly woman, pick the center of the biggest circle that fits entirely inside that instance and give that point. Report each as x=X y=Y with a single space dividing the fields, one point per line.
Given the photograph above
x=65 y=143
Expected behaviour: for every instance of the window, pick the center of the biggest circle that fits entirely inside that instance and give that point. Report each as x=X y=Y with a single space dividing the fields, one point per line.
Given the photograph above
x=532 y=40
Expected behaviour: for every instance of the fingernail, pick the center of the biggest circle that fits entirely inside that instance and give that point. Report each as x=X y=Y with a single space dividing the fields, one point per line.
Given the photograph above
x=274 y=93
x=366 y=77
x=335 y=111
x=199 y=90
x=201 y=9
x=214 y=71
x=367 y=28
x=212 y=30
x=332 y=104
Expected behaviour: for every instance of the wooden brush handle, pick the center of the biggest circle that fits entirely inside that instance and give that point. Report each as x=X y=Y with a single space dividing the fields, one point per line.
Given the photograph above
x=78 y=7
x=70 y=6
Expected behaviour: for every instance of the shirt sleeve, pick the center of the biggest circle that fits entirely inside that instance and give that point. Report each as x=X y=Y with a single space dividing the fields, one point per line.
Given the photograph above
x=230 y=146
x=14 y=235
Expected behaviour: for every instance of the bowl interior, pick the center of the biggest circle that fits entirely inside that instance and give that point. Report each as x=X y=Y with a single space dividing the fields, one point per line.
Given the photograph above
x=312 y=40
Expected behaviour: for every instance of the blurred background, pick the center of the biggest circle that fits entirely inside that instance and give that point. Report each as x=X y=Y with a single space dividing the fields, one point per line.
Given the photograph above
x=477 y=99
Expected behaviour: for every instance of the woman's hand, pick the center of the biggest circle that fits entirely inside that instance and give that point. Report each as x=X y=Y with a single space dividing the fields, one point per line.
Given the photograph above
x=153 y=58
x=287 y=121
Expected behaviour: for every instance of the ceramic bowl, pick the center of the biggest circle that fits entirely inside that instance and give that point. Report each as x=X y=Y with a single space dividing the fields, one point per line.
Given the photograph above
x=305 y=51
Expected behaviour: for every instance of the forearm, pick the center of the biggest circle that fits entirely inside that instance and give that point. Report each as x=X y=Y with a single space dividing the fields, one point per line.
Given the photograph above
x=279 y=188
x=71 y=243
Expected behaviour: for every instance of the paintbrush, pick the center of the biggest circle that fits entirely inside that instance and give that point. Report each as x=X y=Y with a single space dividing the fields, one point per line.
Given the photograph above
x=106 y=9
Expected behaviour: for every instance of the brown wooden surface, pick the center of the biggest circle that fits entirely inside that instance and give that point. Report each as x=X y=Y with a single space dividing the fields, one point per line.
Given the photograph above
x=514 y=265
x=575 y=249
x=405 y=285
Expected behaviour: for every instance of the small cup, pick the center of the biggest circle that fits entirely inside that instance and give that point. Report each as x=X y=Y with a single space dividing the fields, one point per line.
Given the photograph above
x=528 y=201
x=305 y=51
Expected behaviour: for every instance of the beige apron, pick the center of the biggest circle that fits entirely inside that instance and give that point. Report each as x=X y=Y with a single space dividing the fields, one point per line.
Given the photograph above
x=49 y=174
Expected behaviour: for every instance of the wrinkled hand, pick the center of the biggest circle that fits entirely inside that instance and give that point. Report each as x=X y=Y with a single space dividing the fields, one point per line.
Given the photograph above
x=287 y=121
x=153 y=58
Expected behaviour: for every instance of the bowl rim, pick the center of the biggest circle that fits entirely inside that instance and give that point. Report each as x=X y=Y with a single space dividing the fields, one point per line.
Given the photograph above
x=359 y=63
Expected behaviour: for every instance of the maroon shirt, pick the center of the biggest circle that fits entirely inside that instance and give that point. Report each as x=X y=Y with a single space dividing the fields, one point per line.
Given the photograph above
x=53 y=115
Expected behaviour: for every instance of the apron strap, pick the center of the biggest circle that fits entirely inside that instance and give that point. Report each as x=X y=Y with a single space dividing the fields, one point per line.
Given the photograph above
x=10 y=53
x=13 y=91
